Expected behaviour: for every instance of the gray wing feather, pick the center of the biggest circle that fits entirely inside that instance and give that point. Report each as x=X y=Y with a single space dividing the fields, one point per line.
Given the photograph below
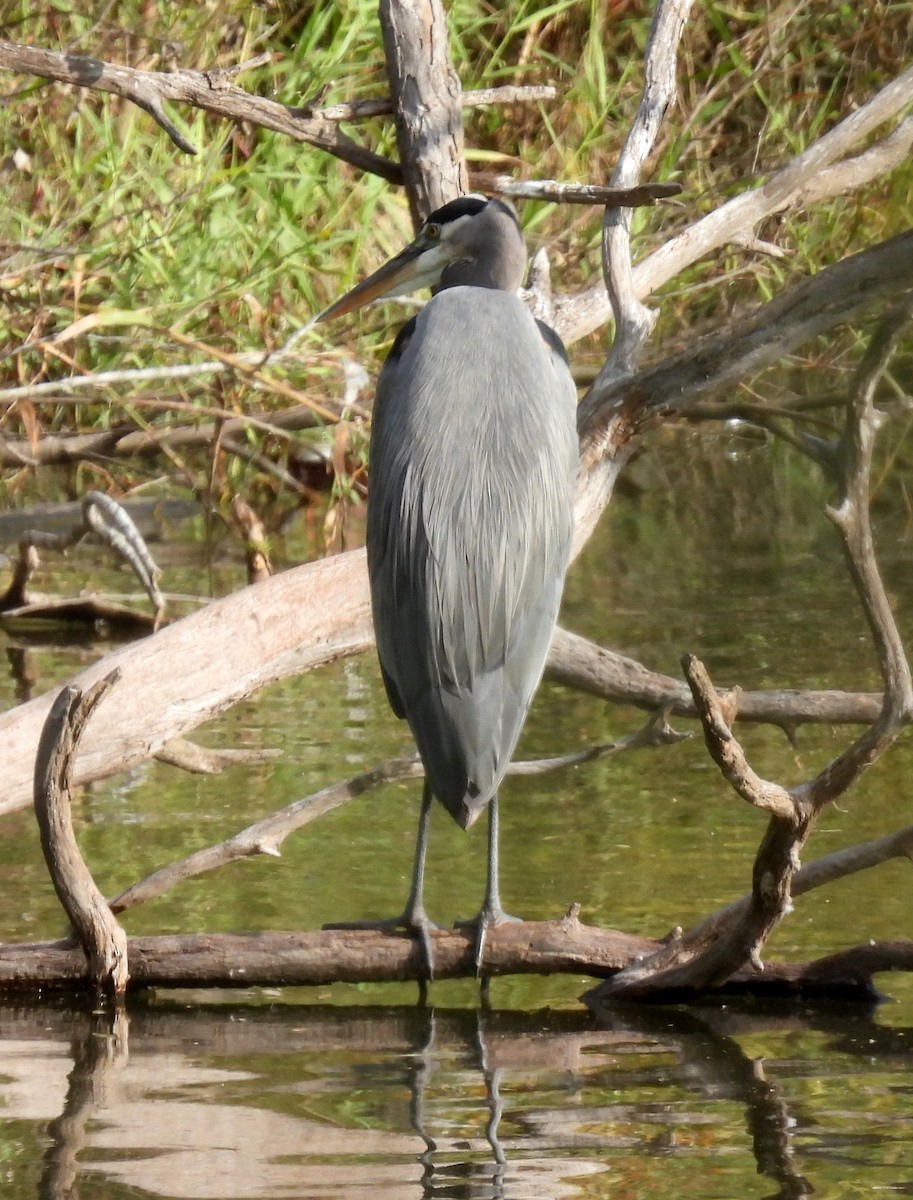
x=470 y=517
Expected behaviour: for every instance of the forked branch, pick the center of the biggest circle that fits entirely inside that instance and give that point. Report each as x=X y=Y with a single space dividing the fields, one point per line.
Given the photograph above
x=710 y=953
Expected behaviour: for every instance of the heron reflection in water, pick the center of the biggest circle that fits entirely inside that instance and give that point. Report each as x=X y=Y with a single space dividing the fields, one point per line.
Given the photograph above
x=473 y=461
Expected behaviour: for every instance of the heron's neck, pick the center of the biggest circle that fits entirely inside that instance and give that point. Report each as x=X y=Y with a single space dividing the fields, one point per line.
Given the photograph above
x=503 y=273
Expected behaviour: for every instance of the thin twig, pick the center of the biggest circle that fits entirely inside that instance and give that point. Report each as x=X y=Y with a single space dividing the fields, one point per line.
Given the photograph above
x=267 y=835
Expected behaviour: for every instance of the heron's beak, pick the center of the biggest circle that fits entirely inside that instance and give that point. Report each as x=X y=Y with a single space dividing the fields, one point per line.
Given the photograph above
x=419 y=265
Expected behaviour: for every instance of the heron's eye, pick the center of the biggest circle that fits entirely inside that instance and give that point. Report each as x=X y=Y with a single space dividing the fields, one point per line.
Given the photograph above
x=433 y=232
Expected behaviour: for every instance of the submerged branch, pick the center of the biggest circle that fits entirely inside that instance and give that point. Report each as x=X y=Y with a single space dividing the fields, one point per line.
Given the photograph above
x=267 y=835
x=245 y=960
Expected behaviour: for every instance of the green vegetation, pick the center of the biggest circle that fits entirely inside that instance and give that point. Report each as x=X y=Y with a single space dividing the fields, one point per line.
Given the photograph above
x=234 y=248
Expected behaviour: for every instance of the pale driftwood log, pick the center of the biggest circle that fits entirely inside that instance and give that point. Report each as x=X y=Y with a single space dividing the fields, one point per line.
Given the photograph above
x=102 y=939
x=426 y=95
x=281 y=627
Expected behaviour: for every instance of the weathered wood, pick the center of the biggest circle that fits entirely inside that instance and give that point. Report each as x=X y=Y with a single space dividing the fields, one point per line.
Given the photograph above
x=181 y=676
x=210 y=90
x=101 y=936
x=279 y=959
x=272 y=959
x=639 y=196
x=426 y=96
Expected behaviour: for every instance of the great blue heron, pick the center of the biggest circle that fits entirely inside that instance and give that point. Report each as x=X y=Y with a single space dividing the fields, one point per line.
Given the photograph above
x=473 y=460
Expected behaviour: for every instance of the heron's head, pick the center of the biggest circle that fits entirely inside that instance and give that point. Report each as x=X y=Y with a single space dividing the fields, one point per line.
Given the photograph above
x=472 y=240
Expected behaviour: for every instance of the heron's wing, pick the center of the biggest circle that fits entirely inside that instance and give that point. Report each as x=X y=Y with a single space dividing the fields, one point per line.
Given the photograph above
x=473 y=459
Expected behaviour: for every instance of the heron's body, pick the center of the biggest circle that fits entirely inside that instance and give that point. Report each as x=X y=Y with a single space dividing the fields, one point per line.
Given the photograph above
x=470 y=513
x=469 y=527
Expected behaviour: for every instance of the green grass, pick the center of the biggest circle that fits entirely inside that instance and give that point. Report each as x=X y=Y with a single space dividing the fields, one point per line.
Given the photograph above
x=238 y=245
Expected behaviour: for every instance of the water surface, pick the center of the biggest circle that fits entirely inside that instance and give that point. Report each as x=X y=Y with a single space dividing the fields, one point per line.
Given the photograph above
x=337 y=1091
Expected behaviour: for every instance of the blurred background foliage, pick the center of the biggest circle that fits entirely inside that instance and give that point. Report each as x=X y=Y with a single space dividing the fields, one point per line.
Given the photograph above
x=236 y=247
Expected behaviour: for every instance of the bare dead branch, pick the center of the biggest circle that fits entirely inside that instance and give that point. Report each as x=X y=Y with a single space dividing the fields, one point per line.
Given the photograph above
x=207 y=90
x=725 y=749
x=578 y=663
x=211 y=760
x=361 y=110
x=851 y=517
x=643 y=195
x=837 y=294
x=126 y=440
x=267 y=835
x=821 y=871
x=111 y=522
x=102 y=938
x=633 y=321
x=805 y=177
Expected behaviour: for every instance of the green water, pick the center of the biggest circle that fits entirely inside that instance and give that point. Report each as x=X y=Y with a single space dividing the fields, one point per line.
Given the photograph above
x=333 y=1091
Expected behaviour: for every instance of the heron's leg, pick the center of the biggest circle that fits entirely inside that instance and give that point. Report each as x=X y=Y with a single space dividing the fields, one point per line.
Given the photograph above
x=413 y=918
x=492 y=913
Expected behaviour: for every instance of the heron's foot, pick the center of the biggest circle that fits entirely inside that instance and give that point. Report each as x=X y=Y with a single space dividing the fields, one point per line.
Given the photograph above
x=490 y=917
x=414 y=920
